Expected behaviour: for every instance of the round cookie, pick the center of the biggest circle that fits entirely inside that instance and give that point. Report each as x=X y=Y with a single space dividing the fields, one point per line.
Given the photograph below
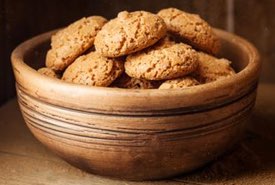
x=124 y=81
x=191 y=28
x=128 y=33
x=48 y=72
x=70 y=42
x=165 y=63
x=211 y=68
x=179 y=83
x=93 y=70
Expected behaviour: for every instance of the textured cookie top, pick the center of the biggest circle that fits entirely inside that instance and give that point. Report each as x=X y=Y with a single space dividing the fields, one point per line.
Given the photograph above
x=70 y=42
x=48 y=72
x=211 y=68
x=94 y=70
x=124 y=81
x=191 y=28
x=128 y=33
x=162 y=63
x=179 y=83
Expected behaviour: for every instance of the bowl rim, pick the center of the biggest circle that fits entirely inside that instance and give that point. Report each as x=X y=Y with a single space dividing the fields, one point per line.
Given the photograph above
x=22 y=70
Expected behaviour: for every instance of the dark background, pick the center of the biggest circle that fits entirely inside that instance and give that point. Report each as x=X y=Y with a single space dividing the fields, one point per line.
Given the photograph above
x=22 y=19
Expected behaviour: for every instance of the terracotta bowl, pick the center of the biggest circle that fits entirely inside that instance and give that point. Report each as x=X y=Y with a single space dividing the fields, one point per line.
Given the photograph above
x=136 y=134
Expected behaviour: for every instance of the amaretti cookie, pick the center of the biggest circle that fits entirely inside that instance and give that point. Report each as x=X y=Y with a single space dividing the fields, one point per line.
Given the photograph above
x=48 y=72
x=163 y=63
x=179 y=83
x=124 y=81
x=129 y=32
x=138 y=50
x=93 y=70
x=191 y=28
x=70 y=42
x=211 y=68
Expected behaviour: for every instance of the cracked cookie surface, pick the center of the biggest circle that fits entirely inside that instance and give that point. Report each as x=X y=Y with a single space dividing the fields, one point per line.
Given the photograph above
x=129 y=32
x=93 y=70
x=70 y=42
x=191 y=28
x=162 y=63
x=211 y=68
x=179 y=83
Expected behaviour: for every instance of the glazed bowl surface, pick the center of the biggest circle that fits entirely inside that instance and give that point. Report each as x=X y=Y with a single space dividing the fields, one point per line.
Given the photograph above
x=136 y=134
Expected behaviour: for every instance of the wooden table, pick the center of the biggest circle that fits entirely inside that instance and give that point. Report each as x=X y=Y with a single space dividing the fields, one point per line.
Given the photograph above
x=23 y=160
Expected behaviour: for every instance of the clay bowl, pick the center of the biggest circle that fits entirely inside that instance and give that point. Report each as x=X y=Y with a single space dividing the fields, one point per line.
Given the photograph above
x=136 y=134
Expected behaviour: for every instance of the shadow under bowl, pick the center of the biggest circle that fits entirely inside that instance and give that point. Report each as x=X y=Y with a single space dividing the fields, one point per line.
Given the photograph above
x=136 y=134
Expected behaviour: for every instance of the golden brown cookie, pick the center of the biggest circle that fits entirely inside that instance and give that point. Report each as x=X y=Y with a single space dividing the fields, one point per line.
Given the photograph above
x=124 y=81
x=211 y=68
x=93 y=70
x=48 y=72
x=165 y=63
x=179 y=83
x=191 y=28
x=70 y=42
x=128 y=33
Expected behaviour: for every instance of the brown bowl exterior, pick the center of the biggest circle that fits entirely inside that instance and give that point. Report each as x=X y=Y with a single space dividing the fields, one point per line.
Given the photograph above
x=136 y=134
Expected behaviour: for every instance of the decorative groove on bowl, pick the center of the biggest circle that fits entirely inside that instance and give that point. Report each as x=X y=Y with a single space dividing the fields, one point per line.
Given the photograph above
x=167 y=112
x=133 y=141
x=38 y=116
x=46 y=123
x=77 y=119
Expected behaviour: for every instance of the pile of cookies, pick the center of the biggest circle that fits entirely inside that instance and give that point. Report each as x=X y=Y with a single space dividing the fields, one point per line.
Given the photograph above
x=138 y=50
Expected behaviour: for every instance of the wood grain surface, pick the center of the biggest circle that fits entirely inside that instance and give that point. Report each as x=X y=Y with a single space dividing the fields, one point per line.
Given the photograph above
x=24 y=161
x=258 y=16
